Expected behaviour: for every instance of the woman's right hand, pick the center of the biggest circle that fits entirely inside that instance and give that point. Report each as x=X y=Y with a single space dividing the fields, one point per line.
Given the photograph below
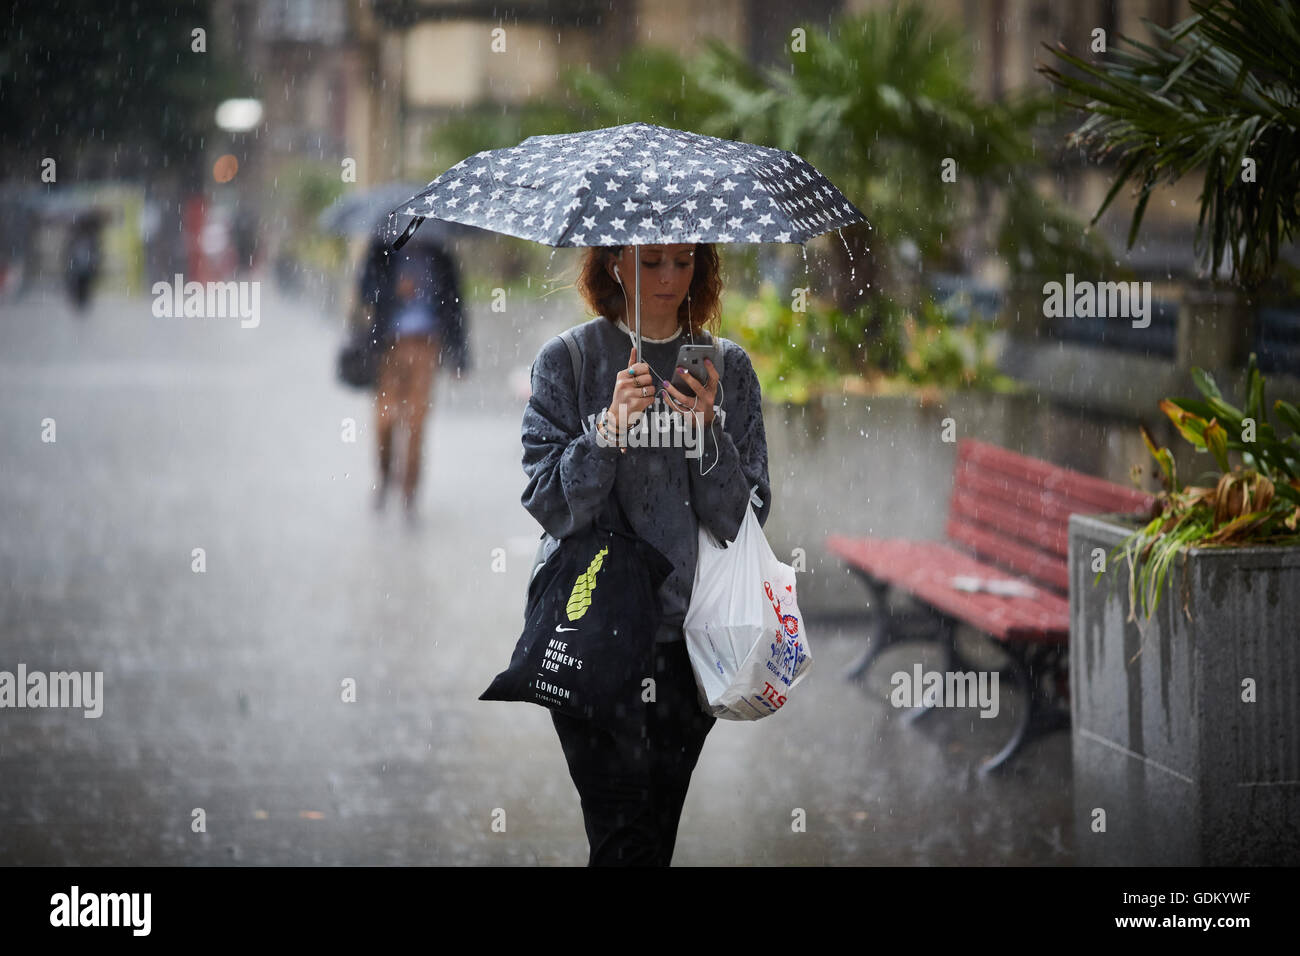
x=633 y=393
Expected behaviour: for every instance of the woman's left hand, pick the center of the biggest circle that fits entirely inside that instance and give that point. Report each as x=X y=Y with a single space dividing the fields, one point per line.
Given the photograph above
x=702 y=399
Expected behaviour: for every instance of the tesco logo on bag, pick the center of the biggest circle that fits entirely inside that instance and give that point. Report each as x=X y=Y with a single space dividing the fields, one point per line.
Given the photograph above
x=770 y=693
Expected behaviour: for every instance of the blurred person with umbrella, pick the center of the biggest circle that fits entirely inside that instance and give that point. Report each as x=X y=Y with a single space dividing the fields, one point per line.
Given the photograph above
x=645 y=201
x=411 y=304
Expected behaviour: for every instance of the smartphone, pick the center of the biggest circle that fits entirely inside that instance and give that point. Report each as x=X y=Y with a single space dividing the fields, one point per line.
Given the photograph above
x=691 y=358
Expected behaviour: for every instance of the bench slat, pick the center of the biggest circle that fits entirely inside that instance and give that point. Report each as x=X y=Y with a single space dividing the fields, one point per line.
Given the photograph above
x=926 y=569
x=1097 y=493
x=1015 y=510
x=1019 y=494
x=1042 y=568
x=1040 y=530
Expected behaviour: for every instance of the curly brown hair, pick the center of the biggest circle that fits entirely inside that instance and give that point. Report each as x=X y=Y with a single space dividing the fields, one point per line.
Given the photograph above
x=703 y=303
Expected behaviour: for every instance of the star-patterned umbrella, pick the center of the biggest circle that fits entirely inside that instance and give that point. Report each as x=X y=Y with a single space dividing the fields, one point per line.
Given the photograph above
x=636 y=184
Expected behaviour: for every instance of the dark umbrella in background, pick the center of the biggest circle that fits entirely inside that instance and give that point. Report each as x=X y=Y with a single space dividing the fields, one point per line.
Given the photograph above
x=636 y=184
x=366 y=211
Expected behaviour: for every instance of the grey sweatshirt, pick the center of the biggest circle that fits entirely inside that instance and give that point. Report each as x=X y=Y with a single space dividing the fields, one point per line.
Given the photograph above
x=662 y=491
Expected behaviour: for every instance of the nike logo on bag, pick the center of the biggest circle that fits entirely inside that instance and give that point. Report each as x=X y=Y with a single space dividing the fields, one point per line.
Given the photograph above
x=558 y=628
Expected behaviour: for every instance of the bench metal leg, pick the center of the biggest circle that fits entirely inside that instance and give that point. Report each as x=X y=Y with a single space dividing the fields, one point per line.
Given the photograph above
x=878 y=630
x=951 y=660
x=1040 y=715
x=1019 y=675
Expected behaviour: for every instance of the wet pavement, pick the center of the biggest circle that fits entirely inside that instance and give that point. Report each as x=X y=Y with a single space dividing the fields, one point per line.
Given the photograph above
x=223 y=690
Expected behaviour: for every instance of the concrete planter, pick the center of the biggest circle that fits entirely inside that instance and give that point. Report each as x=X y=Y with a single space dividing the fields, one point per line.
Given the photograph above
x=1186 y=770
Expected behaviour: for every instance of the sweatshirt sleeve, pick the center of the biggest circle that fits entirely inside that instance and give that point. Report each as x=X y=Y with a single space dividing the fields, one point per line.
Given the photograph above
x=570 y=473
x=722 y=493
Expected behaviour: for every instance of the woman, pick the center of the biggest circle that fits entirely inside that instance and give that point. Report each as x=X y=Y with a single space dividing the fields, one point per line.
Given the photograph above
x=632 y=789
x=415 y=313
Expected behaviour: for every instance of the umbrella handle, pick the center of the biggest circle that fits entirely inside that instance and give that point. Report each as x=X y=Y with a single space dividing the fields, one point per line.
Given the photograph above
x=413 y=225
x=636 y=298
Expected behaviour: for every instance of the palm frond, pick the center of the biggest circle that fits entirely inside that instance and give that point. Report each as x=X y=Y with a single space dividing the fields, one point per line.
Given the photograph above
x=1215 y=95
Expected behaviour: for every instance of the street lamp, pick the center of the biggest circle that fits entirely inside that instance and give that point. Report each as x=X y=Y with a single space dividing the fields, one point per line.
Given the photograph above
x=239 y=116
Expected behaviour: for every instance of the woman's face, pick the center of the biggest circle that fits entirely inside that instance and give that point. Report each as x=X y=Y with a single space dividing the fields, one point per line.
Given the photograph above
x=666 y=273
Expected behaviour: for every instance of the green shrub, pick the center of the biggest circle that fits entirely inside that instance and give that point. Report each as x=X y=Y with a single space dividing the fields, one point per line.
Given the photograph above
x=799 y=355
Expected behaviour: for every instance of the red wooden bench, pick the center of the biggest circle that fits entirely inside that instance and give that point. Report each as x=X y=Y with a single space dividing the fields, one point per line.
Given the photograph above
x=1008 y=521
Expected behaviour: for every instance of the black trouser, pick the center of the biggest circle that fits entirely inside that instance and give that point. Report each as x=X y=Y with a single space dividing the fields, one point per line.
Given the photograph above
x=633 y=788
x=79 y=284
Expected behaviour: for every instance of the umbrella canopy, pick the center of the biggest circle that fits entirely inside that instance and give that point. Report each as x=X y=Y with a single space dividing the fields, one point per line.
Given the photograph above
x=366 y=211
x=636 y=184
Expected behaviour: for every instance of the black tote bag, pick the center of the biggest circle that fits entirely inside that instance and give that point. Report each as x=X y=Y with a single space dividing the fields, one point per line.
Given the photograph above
x=360 y=354
x=358 y=362
x=590 y=623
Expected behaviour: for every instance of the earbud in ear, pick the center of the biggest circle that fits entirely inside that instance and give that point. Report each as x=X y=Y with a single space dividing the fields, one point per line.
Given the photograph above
x=616 y=275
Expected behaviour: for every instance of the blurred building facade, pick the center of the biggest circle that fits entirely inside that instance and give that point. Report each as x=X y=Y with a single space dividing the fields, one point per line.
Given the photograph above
x=353 y=91
x=371 y=80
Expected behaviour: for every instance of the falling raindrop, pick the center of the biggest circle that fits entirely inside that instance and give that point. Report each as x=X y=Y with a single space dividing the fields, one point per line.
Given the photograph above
x=853 y=269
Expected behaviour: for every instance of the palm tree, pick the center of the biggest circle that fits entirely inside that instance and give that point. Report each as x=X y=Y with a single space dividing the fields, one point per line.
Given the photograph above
x=650 y=86
x=1216 y=94
x=880 y=103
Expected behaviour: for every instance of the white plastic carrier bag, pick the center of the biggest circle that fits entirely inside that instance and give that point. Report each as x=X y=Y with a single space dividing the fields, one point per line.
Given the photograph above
x=744 y=632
